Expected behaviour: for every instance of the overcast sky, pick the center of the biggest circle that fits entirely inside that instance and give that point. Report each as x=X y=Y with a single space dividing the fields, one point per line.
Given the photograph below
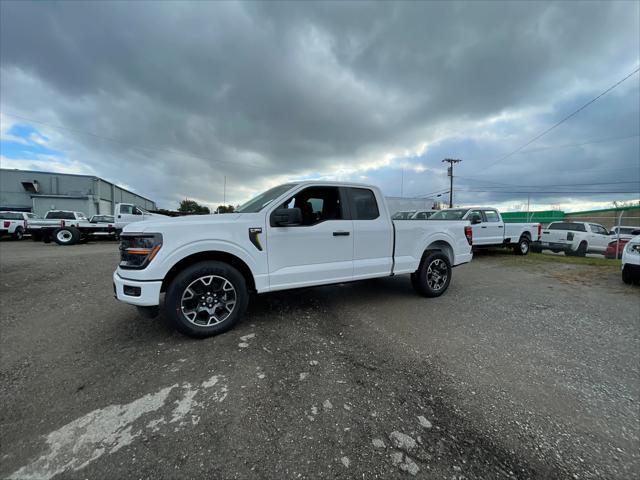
x=168 y=98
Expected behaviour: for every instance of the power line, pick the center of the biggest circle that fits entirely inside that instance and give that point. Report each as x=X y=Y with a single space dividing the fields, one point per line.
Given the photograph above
x=557 y=124
x=129 y=144
x=589 y=192
x=508 y=185
x=604 y=140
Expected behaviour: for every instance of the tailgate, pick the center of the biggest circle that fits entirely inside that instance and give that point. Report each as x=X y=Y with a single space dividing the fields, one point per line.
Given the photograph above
x=556 y=236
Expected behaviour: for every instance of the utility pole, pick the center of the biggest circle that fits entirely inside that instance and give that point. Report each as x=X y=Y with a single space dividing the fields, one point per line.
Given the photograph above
x=224 y=192
x=402 y=184
x=451 y=162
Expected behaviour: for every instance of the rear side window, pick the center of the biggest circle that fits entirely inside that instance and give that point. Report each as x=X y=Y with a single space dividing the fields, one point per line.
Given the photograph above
x=492 y=216
x=60 y=216
x=364 y=204
x=10 y=216
x=574 y=227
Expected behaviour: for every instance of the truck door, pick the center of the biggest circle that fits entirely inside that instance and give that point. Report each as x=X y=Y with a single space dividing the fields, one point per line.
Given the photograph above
x=599 y=239
x=320 y=248
x=494 y=230
x=372 y=235
x=480 y=232
x=127 y=213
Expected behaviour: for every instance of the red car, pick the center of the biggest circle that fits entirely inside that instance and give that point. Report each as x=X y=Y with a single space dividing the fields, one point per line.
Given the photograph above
x=611 y=248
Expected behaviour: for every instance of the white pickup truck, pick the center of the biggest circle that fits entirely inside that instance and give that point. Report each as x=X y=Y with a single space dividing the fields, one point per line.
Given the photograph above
x=574 y=238
x=490 y=231
x=14 y=224
x=67 y=227
x=294 y=235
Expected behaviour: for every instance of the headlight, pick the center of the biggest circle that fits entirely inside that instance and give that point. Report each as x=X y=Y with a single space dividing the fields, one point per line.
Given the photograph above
x=633 y=248
x=137 y=250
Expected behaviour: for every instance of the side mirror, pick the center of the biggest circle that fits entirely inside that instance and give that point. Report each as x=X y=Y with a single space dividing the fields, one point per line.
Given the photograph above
x=475 y=220
x=287 y=217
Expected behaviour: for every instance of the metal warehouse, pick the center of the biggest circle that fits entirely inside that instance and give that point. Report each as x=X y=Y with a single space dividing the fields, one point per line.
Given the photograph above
x=38 y=192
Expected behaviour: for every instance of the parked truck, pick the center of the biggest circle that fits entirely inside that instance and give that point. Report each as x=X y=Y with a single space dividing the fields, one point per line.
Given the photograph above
x=67 y=227
x=291 y=236
x=574 y=238
x=489 y=230
x=14 y=224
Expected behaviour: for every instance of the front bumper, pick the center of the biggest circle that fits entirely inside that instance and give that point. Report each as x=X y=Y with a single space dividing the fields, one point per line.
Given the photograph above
x=149 y=292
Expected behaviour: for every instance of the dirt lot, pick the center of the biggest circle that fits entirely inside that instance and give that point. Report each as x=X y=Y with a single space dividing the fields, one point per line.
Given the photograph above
x=526 y=368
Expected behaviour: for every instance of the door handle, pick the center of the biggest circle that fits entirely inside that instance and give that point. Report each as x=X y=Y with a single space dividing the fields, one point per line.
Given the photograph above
x=340 y=234
x=483 y=227
x=500 y=226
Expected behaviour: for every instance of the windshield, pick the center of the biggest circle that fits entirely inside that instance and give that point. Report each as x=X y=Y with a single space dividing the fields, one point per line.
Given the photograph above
x=258 y=203
x=455 y=214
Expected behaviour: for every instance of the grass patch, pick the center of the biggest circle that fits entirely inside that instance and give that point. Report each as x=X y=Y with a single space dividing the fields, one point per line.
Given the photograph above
x=539 y=258
x=593 y=261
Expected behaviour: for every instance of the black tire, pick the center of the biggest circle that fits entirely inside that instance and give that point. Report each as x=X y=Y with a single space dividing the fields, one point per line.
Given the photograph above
x=628 y=276
x=36 y=237
x=190 y=277
x=18 y=234
x=582 y=250
x=523 y=246
x=425 y=282
x=66 y=236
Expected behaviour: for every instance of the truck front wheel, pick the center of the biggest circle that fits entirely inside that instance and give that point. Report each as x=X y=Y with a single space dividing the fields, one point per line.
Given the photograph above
x=433 y=275
x=206 y=299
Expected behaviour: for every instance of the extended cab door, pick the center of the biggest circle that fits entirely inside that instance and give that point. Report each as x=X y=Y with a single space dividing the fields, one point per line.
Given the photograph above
x=317 y=251
x=493 y=227
x=372 y=234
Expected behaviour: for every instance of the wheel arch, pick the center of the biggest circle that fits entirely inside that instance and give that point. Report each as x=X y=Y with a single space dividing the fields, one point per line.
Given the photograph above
x=442 y=246
x=210 y=255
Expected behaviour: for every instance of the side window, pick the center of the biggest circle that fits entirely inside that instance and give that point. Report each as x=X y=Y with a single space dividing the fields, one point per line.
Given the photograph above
x=317 y=204
x=364 y=204
x=492 y=216
x=136 y=211
x=126 y=209
x=422 y=216
x=475 y=213
x=598 y=229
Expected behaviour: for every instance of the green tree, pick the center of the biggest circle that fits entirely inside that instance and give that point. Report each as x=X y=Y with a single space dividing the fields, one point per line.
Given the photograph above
x=226 y=209
x=192 y=207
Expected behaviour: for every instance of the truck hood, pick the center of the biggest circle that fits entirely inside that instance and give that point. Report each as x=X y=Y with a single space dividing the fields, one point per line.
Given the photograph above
x=160 y=224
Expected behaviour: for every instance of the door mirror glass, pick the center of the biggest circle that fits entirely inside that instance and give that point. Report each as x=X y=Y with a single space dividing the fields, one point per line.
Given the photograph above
x=287 y=217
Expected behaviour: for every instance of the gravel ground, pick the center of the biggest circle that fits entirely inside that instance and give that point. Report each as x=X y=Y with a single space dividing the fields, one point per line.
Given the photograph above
x=523 y=369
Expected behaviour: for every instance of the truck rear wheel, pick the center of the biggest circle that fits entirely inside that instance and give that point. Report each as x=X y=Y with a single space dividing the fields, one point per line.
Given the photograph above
x=18 y=234
x=581 y=251
x=433 y=275
x=522 y=248
x=205 y=299
x=66 y=236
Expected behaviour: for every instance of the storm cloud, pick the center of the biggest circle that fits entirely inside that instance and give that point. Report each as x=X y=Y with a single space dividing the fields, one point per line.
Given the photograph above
x=168 y=98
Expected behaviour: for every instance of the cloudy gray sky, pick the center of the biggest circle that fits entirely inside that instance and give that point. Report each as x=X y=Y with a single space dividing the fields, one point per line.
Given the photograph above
x=168 y=98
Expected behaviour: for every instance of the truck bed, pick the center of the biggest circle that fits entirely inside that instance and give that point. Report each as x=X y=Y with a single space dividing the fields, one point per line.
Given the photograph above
x=409 y=234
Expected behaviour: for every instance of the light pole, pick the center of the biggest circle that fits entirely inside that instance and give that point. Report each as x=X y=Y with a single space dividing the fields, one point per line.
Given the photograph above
x=451 y=162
